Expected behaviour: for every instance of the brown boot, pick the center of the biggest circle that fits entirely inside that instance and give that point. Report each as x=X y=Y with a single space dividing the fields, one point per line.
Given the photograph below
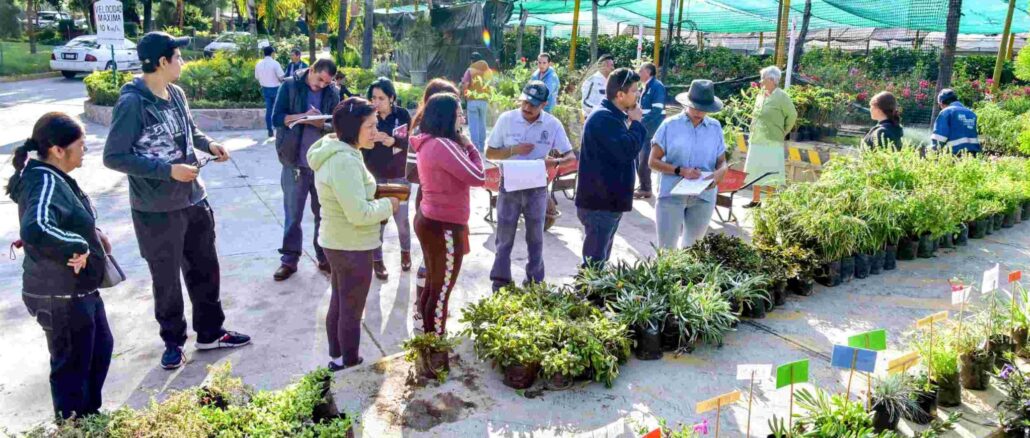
x=405 y=261
x=380 y=270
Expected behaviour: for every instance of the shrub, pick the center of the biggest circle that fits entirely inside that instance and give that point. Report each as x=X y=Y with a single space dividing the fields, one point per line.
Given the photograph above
x=9 y=25
x=100 y=88
x=358 y=79
x=225 y=77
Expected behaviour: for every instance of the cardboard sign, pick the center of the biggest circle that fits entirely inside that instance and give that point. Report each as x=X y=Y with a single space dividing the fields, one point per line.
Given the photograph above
x=858 y=359
x=758 y=371
x=905 y=361
x=961 y=296
x=1015 y=276
x=936 y=317
x=715 y=402
x=875 y=340
x=791 y=373
x=990 y=280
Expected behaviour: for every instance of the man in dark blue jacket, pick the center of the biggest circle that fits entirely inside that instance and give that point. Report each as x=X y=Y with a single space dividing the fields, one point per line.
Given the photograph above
x=955 y=128
x=652 y=105
x=612 y=137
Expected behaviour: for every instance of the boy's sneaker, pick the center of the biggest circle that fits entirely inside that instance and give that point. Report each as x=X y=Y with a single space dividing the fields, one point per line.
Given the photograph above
x=173 y=358
x=228 y=340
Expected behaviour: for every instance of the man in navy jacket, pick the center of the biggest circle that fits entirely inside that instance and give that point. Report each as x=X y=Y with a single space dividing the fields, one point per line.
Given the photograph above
x=612 y=138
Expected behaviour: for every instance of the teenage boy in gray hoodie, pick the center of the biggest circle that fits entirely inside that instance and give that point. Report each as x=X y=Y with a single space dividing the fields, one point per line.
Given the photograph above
x=152 y=140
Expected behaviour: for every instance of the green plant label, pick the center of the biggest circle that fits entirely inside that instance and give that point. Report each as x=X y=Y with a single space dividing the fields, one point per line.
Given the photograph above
x=791 y=373
x=875 y=340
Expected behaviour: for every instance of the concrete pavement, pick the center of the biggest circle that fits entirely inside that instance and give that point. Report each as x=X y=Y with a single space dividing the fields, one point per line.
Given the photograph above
x=287 y=318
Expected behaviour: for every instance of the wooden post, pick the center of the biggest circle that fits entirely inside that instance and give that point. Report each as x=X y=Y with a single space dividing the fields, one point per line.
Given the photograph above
x=750 y=398
x=575 y=36
x=617 y=24
x=679 y=21
x=781 y=51
x=854 y=358
x=829 y=37
x=915 y=41
x=718 y=414
x=779 y=23
x=1012 y=42
x=999 y=63
x=657 y=34
x=761 y=39
x=790 y=414
x=700 y=40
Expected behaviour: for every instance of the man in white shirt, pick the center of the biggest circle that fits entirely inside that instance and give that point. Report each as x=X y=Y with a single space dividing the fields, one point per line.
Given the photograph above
x=270 y=75
x=593 y=89
x=527 y=133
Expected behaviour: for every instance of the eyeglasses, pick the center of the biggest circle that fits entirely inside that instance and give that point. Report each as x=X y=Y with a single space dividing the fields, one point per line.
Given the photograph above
x=625 y=79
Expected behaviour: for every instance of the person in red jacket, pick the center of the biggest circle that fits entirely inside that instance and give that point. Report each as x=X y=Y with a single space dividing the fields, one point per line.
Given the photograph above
x=447 y=168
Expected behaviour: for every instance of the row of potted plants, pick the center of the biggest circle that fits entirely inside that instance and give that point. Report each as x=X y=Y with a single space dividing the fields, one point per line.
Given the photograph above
x=869 y=210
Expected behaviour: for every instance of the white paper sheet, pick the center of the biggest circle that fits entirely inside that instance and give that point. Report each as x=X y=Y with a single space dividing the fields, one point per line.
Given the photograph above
x=692 y=187
x=522 y=174
x=306 y=118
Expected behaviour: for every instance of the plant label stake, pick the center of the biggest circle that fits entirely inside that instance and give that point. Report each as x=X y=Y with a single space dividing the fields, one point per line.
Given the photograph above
x=657 y=433
x=903 y=363
x=928 y=322
x=717 y=403
x=749 y=372
x=787 y=375
x=990 y=279
x=1014 y=277
x=875 y=340
x=852 y=359
x=959 y=295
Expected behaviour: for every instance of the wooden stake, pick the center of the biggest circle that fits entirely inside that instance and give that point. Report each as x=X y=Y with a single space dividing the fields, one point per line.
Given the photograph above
x=790 y=415
x=657 y=34
x=750 y=398
x=718 y=414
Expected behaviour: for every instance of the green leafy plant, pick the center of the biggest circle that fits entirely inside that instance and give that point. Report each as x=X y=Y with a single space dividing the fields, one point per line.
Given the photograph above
x=894 y=394
x=831 y=416
x=421 y=346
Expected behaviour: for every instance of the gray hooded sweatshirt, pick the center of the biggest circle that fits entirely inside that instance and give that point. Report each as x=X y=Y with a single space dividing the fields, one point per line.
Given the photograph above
x=148 y=135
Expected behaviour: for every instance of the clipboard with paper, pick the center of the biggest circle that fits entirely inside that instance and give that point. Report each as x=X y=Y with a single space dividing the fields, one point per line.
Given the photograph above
x=692 y=187
x=522 y=174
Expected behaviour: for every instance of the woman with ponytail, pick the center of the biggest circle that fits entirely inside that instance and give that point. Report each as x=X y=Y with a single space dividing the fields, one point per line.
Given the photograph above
x=888 y=132
x=64 y=263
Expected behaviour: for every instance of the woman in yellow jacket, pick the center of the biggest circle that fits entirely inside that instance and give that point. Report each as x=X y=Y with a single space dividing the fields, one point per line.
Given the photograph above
x=350 y=222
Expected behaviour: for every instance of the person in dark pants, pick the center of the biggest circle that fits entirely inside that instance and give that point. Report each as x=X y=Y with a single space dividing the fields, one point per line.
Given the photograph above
x=350 y=231
x=64 y=263
x=269 y=75
x=386 y=162
x=152 y=140
x=310 y=92
x=652 y=105
x=612 y=138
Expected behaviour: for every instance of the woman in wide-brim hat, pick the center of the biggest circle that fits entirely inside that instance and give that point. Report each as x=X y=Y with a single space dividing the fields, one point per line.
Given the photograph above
x=687 y=146
x=772 y=119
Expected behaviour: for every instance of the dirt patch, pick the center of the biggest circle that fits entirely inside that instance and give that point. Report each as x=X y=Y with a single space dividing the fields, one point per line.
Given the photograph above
x=381 y=367
x=423 y=415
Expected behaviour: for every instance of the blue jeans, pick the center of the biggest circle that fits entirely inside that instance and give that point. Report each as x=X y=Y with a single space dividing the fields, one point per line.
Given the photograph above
x=477 y=122
x=532 y=204
x=682 y=220
x=600 y=227
x=400 y=218
x=297 y=184
x=269 y=94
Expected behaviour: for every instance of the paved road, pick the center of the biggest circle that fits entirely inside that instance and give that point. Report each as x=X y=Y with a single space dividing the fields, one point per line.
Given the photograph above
x=286 y=318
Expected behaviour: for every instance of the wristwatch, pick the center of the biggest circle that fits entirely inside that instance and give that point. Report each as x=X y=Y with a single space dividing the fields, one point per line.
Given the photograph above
x=677 y=171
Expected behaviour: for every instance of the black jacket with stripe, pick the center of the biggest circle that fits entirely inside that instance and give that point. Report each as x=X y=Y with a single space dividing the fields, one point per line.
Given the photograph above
x=57 y=221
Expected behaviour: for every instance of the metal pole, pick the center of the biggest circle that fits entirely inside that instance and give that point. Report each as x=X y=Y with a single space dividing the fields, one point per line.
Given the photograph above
x=761 y=40
x=575 y=35
x=543 y=37
x=781 y=58
x=1000 y=61
x=657 y=33
x=114 y=68
x=829 y=37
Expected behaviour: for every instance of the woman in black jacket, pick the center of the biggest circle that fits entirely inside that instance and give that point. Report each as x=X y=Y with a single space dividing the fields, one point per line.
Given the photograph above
x=64 y=263
x=888 y=132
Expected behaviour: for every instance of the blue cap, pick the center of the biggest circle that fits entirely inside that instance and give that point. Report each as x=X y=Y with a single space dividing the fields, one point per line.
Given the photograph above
x=947 y=95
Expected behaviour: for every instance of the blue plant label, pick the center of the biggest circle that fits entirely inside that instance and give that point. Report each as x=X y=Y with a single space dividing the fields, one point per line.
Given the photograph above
x=849 y=357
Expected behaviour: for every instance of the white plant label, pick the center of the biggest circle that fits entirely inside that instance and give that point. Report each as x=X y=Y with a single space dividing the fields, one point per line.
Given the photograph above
x=759 y=371
x=960 y=296
x=990 y=280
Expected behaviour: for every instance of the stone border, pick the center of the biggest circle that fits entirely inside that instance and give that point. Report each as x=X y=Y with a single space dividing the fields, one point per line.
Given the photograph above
x=29 y=77
x=206 y=119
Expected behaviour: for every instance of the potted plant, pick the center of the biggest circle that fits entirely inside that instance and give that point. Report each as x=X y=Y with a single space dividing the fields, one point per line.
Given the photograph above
x=1019 y=320
x=1013 y=413
x=941 y=359
x=831 y=415
x=749 y=294
x=925 y=395
x=706 y=315
x=892 y=399
x=643 y=312
x=976 y=362
x=561 y=366
x=429 y=352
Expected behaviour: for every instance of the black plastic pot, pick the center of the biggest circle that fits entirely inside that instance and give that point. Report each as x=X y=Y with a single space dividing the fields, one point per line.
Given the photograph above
x=780 y=293
x=927 y=401
x=670 y=334
x=949 y=391
x=862 y=265
x=847 y=269
x=649 y=344
x=999 y=220
x=890 y=258
x=1010 y=219
x=876 y=262
x=521 y=376
x=908 y=248
x=978 y=229
x=882 y=420
x=830 y=274
x=1019 y=336
x=962 y=237
x=1001 y=344
x=947 y=241
x=925 y=249
x=756 y=310
x=801 y=286
x=560 y=381
x=1019 y=214
x=974 y=370
x=990 y=225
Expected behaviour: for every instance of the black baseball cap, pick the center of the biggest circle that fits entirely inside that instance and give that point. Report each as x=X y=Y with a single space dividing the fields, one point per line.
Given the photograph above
x=947 y=95
x=535 y=92
x=154 y=45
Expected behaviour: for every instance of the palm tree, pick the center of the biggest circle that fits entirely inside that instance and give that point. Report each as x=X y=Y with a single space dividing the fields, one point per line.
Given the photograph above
x=315 y=12
x=947 y=63
x=366 y=41
x=345 y=23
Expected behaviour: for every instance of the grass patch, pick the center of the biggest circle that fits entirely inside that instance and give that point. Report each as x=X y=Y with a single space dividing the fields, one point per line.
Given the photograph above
x=18 y=61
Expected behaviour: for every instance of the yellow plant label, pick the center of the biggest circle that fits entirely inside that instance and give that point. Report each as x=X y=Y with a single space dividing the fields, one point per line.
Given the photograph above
x=715 y=402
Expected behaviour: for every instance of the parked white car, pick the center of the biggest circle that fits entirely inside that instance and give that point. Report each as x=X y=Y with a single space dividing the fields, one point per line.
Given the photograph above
x=84 y=54
x=51 y=18
x=227 y=41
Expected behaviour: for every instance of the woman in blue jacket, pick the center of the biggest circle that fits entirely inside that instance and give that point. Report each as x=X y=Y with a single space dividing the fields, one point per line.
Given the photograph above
x=64 y=263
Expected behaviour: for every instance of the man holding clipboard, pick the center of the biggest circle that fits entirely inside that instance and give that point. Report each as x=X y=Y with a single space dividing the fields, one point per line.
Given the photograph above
x=522 y=141
x=689 y=153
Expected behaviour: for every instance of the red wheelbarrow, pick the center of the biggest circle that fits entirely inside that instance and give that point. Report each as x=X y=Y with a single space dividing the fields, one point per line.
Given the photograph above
x=732 y=183
x=559 y=179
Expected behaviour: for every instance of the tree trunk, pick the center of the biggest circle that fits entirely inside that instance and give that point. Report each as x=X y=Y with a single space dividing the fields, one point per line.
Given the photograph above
x=30 y=23
x=799 y=47
x=311 y=36
x=341 y=28
x=252 y=17
x=366 y=42
x=180 y=11
x=148 y=14
x=523 y=16
x=947 y=63
x=593 y=32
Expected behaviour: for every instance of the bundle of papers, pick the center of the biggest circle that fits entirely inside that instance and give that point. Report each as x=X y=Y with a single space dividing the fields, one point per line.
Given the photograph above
x=307 y=118
x=692 y=187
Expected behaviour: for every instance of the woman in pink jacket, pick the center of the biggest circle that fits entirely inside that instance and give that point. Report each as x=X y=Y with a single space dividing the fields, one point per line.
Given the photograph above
x=447 y=169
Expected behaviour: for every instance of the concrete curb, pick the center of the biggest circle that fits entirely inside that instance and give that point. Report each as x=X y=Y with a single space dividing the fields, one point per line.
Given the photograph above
x=29 y=77
x=206 y=119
